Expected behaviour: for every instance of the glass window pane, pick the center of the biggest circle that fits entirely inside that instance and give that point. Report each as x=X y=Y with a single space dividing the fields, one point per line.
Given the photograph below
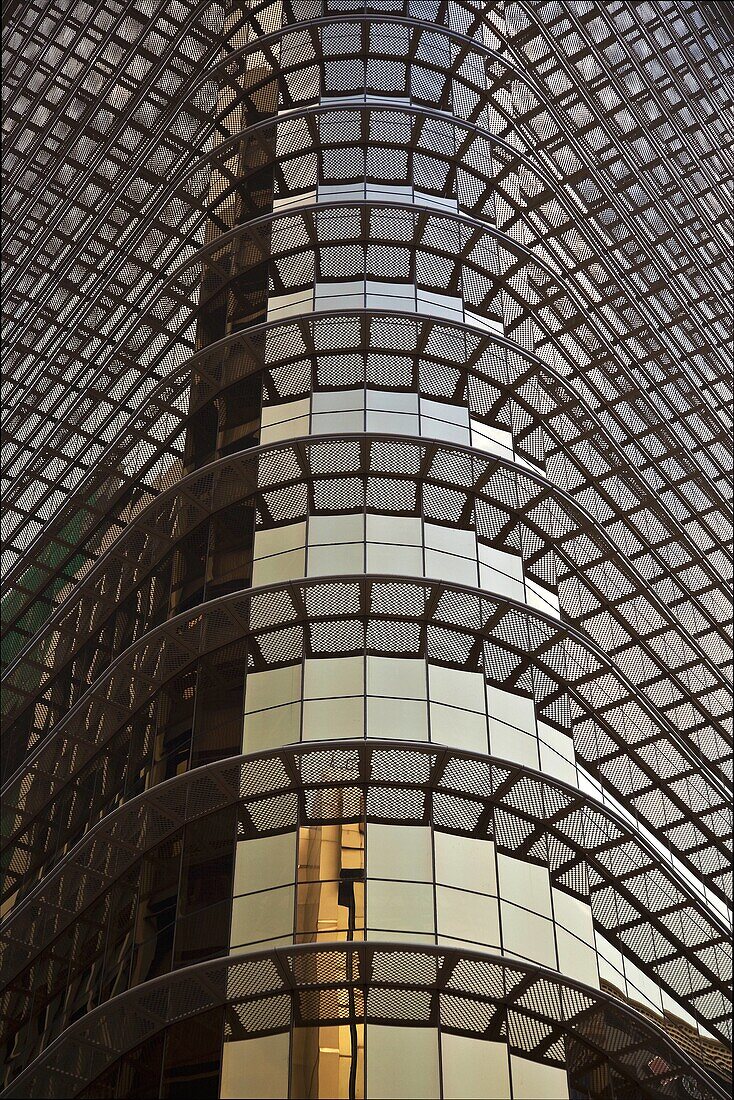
x=456 y=687
x=396 y=676
x=397 y=423
x=441 y=305
x=282 y=567
x=390 y=401
x=391 y=295
x=642 y=988
x=399 y=906
x=342 y=558
x=268 y=689
x=448 y=567
x=466 y=916
x=276 y=540
x=268 y=729
x=333 y=676
x=611 y=963
x=324 y=906
x=574 y=915
x=515 y=710
x=556 y=754
x=346 y=422
x=327 y=718
x=576 y=959
x=406 y=719
x=533 y=1079
x=510 y=743
x=540 y=596
x=439 y=429
x=462 y=728
x=486 y=437
x=395 y=559
x=326 y=401
x=526 y=884
x=279 y=554
x=495 y=581
x=275 y=414
x=452 y=540
x=402 y=1063
x=322 y=1063
x=323 y=530
x=509 y=564
x=319 y=911
x=527 y=935
x=253 y=1068
x=264 y=862
x=474 y=1069
x=288 y=429
x=405 y=530
x=289 y=305
x=340 y=295
x=465 y=862
x=262 y=917
x=399 y=851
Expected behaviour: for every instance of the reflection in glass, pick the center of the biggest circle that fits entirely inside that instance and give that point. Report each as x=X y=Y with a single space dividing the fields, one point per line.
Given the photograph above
x=322 y=1066
x=330 y=899
x=328 y=1061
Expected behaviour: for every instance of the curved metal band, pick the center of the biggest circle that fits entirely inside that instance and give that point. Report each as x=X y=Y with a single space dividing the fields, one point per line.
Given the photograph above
x=589 y=849
x=616 y=723
x=518 y=647
x=464 y=992
x=474 y=256
x=97 y=501
x=263 y=38
x=255 y=132
x=252 y=475
x=469 y=226
x=524 y=158
x=474 y=45
x=710 y=751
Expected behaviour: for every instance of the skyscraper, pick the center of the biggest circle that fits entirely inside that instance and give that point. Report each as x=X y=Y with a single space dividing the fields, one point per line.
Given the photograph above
x=367 y=607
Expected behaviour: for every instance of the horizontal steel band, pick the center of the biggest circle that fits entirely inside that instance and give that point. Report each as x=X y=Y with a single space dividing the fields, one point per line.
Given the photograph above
x=588 y=848
x=303 y=135
x=464 y=992
x=518 y=647
x=302 y=126
x=268 y=123
x=517 y=65
x=521 y=67
x=654 y=324
x=477 y=255
x=423 y=51
x=210 y=359
x=449 y=480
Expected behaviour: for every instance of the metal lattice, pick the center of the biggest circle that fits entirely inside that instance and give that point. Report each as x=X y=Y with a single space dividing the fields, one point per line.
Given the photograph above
x=538 y=191
x=635 y=898
x=467 y=992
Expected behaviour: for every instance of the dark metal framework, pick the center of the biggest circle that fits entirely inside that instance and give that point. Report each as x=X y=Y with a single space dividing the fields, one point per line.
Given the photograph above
x=174 y=173
x=473 y=994
x=590 y=850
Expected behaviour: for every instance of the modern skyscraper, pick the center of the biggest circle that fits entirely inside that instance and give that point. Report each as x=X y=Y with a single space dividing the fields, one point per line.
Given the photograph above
x=367 y=608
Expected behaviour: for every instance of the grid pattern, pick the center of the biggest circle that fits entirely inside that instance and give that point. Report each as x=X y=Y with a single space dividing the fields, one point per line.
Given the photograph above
x=535 y=1011
x=635 y=899
x=227 y=216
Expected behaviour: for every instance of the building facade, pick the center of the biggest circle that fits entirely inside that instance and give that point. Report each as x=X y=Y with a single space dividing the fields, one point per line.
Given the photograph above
x=367 y=615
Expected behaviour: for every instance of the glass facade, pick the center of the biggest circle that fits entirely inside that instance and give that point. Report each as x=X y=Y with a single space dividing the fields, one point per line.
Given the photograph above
x=367 y=660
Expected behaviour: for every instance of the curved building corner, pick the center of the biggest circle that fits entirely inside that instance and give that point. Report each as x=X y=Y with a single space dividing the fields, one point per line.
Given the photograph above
x=367 y=620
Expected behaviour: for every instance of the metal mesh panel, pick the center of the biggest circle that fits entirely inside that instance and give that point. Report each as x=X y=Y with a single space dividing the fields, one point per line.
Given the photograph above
x=512 y=213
